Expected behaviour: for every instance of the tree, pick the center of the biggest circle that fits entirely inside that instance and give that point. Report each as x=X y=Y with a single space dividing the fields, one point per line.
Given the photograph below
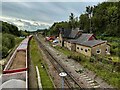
x=103 y=19
x=4 y=51
x=10 y=29
x=84 y=22
x=72 y=21
x=89 y=11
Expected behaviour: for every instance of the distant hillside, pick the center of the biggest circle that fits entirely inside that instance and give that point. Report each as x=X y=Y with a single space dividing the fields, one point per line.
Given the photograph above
x=9 y=28
x=105 y=20
x=10 y=37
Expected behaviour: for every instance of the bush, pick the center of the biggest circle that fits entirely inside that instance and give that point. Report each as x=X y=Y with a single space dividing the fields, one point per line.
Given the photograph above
x=68 y=56
x=8 y=42
x=76 y=57
x=4 y=51
x=92 y=59
x=117 y=68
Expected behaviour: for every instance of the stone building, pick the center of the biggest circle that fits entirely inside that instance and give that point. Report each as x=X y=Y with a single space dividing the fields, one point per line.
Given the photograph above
x=84 y=43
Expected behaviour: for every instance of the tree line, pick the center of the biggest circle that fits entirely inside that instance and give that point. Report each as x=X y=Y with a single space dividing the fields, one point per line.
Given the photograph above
x=10 y=37
x=103 y=19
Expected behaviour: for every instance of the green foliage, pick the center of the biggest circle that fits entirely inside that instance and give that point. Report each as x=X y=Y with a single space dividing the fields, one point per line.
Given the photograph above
x=73 y=21
x=114 y=42
x=37 y=58
x=24 y=33
x=105 y=19
x=10 y=29
x=100 y=68
x=84 y=22
x=8 y=42
x=54 y=29
x=9 y=33
x=4 y=51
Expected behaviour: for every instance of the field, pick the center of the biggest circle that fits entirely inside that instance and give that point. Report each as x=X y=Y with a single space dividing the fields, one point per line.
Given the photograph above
x=37 y=59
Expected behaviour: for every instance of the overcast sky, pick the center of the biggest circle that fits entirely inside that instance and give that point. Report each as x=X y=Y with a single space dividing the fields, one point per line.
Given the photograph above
x=37 y=14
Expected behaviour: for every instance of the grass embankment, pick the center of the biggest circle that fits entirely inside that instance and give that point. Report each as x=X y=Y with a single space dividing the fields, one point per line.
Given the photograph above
x=63 y=50
x=112 y=78
x=17 y=42
x=37 y=58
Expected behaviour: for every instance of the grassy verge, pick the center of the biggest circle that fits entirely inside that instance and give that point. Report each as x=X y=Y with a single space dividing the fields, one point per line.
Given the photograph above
x=37 y=59
x=63 y=50
x=112 y=78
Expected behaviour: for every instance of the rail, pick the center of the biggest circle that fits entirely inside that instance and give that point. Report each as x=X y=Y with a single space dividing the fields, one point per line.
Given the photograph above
x=57 y=67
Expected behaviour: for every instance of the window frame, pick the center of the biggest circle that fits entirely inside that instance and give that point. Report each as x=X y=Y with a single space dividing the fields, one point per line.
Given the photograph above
x=99 y=51
x=86 y=50
x=81 y=49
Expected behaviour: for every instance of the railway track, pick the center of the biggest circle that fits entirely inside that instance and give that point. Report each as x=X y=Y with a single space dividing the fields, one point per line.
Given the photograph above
x=70 y=81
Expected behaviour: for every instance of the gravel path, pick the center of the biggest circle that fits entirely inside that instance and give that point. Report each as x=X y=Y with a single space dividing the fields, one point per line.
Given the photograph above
x=56 y=79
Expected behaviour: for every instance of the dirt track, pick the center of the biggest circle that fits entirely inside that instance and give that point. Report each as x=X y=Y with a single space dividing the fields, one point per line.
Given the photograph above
x=19 y=60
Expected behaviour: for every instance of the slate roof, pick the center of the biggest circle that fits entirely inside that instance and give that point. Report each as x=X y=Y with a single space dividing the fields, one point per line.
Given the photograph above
x=66 y=33
x=74 y=33
x=84 y=37
x=70 y=33
x=84 y=40
x=91 y=43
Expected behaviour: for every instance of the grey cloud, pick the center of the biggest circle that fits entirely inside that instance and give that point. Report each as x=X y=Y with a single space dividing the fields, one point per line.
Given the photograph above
x=47 y=12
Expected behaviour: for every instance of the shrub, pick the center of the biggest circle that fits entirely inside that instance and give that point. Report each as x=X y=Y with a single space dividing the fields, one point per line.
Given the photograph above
x=77 y=57
x=4 y=51
x=92 y=59
x=117 y=68
x=8 y=42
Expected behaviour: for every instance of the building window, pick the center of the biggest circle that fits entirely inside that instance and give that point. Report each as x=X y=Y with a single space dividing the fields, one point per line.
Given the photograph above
x=98 y=51
x=106 y=49
x=85 y=50
x=77 y=47
x=81 y=49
